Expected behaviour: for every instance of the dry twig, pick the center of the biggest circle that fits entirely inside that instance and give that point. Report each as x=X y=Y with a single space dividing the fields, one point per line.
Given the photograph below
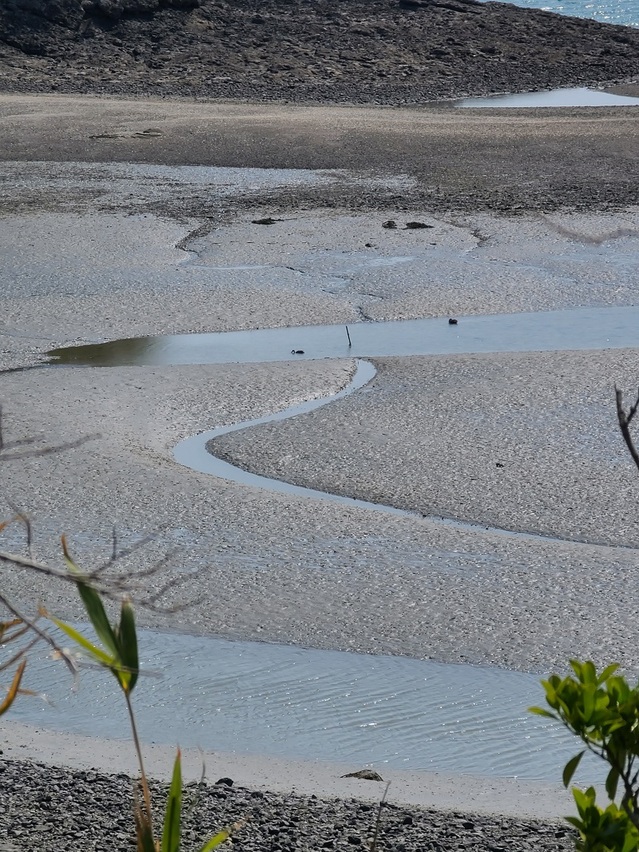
x=625 y=419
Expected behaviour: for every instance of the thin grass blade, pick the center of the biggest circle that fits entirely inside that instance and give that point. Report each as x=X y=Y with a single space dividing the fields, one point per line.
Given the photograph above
x=217 y=840
x=173 y=814
x=98 y=654
x=144 y=841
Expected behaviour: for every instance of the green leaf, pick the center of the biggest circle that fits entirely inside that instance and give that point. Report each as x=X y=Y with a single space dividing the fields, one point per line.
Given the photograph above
x=128 y=647
x=605 y=674
x=98 y=654
x=588 y=697
x=171 y=832
x=632 y=842
x=577 y=667
x=589 y=672
x=92 y=604
x=217 y=840
x=570 y=767
x=611 y=783
x=583 y=800
x=541 y=712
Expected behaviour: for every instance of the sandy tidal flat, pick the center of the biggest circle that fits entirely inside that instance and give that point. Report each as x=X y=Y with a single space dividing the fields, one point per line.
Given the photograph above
x=524 y=442
x=103 y=251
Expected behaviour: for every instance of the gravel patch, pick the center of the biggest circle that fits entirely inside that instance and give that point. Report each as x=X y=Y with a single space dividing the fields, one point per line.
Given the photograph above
x=85 y=810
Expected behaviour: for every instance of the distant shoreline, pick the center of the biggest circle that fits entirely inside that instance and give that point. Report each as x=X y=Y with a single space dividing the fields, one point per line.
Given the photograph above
x=447 y=159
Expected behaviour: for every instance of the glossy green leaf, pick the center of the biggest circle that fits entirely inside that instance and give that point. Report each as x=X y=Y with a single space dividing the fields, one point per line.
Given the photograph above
x=588 y=672
x=539 y=711
x=611 y=783
x=570 y=768
x=583 y=799
x=607 y=672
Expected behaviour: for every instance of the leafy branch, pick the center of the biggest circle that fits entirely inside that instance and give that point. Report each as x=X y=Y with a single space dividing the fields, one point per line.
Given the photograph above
x=602 y=710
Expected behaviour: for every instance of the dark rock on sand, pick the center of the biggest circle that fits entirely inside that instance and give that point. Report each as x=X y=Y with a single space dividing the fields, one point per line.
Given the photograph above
x=365 y=51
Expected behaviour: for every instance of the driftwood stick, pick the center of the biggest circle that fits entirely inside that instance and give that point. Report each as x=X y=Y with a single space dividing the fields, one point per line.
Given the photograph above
x=625 y=419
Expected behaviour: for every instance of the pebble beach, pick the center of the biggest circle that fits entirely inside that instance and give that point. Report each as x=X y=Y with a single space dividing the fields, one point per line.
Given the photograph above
x=111 y=226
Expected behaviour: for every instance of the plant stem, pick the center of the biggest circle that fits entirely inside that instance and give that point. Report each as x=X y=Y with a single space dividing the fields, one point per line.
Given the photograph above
x=138 y=749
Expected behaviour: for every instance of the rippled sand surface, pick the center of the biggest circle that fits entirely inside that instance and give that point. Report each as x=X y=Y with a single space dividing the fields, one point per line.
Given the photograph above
x=526 y=443
x=523 y=442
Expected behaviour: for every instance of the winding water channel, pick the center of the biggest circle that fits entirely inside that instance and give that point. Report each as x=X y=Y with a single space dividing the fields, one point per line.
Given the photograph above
x=296 y=702
x=580 y=328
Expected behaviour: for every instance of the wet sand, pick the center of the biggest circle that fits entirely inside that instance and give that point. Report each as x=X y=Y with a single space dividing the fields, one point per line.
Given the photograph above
x=458 y=160
x=438 y=790
x=87 y=257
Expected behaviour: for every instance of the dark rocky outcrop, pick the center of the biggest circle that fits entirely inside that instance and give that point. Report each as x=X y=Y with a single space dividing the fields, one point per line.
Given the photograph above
x=367 y=51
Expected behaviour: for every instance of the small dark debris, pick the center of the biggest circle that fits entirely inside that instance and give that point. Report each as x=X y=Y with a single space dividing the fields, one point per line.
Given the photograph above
x=368 y=245
x=226 y=782
x=265 y=221
x=297 y=351
x=452 y=321
x=499 y=464
x=413 y=226
x=390 y=224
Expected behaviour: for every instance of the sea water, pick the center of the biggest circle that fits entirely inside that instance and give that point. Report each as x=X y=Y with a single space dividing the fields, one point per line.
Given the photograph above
x=625 y=12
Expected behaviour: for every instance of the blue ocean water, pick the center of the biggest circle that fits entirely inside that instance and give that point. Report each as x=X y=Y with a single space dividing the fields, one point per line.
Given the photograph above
x=624 y=12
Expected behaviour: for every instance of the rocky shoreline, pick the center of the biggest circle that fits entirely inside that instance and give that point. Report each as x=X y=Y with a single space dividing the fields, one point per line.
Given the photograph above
x=360 y=51
x=54 y=810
